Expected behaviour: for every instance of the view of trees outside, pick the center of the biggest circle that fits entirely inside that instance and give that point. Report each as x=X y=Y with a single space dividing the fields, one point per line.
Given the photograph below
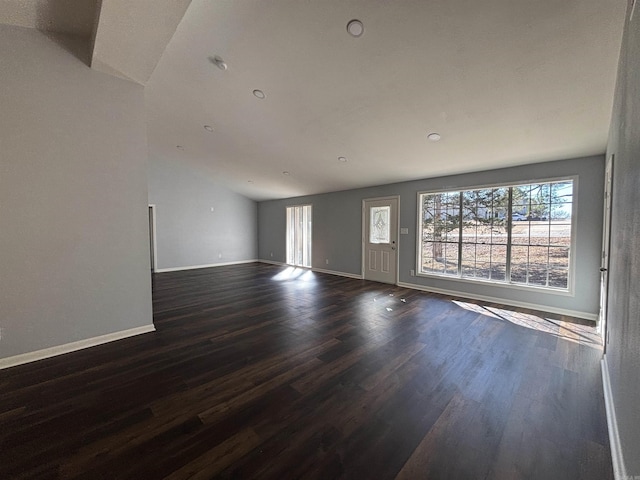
x=465 y=233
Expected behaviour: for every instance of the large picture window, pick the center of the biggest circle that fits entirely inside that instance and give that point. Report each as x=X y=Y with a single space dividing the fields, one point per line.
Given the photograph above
x=519 y=234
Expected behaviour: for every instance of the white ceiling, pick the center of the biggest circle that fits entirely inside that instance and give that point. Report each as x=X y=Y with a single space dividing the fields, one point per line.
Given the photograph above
x=505 y=82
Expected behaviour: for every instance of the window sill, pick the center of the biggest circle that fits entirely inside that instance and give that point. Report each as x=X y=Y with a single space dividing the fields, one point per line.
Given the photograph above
x=568 y=292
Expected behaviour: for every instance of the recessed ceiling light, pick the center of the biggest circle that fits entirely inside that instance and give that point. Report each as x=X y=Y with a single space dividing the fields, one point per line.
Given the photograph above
x=434 y=137
x=179 y=147
x=208 y=128
x=355 y=28
x=259 y=93
x=285 y=173
x=342 y=159
x=250 y=181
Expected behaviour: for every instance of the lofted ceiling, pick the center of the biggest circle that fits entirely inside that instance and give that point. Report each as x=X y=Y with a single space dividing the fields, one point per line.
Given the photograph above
x=504 y=82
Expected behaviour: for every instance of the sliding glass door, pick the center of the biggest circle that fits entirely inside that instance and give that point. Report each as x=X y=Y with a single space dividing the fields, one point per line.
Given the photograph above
x=299 y=235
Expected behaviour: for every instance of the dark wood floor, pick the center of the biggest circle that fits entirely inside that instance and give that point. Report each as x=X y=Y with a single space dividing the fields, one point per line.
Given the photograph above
x=259 y=372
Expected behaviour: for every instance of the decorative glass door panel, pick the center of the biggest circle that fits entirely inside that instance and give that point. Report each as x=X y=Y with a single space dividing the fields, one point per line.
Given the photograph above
x=379 y=231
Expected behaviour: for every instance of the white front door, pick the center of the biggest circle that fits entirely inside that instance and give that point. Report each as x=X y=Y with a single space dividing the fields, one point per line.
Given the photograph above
x=380 y=240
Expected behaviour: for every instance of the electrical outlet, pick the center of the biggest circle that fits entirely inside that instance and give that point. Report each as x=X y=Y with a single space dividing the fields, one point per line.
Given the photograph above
x=326 y=261
x=219 y=255
x=413 y=273
x=271 y=254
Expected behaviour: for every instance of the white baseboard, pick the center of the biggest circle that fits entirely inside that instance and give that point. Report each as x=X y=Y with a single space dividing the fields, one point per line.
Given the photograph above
x=339 y=274
x=195 y=267
x=73 y=346
x=503 y=301
x=319 y=270
x=619 y=470
x=271 y=262
x=531 y=306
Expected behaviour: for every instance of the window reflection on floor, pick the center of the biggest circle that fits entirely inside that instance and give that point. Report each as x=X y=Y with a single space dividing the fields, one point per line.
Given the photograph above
x=574 y=332
x=293 y=273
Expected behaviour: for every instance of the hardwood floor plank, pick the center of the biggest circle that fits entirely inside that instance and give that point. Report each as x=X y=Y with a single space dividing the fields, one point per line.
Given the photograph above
x=219 y=457
x=251 y=375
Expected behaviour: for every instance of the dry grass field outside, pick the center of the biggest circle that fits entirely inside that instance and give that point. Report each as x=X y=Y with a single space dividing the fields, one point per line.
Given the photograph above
x=539 y=252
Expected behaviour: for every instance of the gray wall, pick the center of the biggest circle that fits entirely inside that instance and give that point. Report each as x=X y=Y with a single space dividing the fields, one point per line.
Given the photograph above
x=73 y=194
x=337 y=230
x=188 y=232
x=623 y=349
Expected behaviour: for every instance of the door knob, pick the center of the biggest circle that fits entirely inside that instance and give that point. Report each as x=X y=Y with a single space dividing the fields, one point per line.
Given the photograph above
x=603 y=269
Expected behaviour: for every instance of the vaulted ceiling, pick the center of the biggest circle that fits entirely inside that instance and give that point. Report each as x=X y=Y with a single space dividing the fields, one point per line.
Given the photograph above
x=504 y=82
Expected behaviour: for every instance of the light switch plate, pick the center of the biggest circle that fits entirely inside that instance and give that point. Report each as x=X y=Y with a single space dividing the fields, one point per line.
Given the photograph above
x=404 y=231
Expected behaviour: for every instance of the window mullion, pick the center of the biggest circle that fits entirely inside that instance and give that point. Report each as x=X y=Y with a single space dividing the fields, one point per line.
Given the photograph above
x=460 y=236
x=509 y=228
x=527 y=248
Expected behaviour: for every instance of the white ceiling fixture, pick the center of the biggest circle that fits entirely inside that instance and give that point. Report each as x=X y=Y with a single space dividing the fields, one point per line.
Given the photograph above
x=208 y=128
x=434 y=137
x=219 y=62
x=342 y=159
x=286 y=173
x=355 y=28
x=179 y=147
x=259 y=93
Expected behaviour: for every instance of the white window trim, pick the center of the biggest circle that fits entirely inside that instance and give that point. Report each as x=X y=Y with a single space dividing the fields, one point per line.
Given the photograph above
x=569 y=291
x=310 y=205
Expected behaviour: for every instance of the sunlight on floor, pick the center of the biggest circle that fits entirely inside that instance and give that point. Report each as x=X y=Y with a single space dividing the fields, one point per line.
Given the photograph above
x=293 y=273
x=573 y=332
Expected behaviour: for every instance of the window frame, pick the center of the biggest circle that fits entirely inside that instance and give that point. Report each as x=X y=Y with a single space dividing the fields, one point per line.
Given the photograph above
x=287 y=239
x=569 y=291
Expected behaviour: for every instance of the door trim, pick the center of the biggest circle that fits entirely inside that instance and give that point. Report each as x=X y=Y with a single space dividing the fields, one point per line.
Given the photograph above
x=363 y=229
x=310 y=243
x=606 y=247
x=153 y=237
